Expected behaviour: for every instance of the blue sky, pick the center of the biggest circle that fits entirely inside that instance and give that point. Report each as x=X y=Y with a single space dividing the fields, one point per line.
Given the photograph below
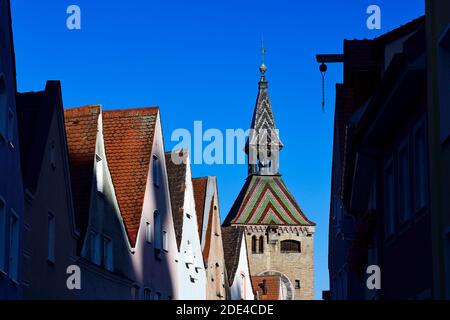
x=198 y=60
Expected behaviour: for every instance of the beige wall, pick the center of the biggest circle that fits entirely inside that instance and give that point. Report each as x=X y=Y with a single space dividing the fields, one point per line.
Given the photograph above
x=295 y=266
x=215 y=271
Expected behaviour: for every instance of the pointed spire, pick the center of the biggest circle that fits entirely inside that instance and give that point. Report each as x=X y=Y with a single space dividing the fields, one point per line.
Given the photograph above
x=264 y=143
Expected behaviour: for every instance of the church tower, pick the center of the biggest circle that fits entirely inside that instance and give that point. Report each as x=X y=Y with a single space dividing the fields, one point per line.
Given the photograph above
x=279 y=236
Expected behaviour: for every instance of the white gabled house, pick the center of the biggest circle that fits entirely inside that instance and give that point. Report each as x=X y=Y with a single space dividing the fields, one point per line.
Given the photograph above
x=191 y=269
x=236 y=261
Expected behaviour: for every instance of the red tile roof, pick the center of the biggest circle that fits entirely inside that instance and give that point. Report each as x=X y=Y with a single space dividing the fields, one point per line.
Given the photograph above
x=272 y=284
x=232 y=238
x=128 y=135
x=200 y=185
x=81 y=130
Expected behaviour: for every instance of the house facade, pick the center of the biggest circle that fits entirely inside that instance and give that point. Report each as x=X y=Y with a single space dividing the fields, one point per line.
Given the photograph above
x=380 y=198
x=278 y=232
x=11 y=189
x=103 y=252
x=135 y=158
x=50 y=235
x=438 y=53
x=191 y=268
x=237 y=264
x=210 y=234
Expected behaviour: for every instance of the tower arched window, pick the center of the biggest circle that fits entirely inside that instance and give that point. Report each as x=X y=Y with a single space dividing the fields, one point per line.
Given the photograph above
x=261 y=244
x=254 y=244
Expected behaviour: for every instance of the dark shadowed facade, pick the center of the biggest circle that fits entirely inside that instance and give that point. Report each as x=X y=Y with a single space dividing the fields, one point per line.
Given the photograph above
x=380 y=194
x=50 y=234
x=11 y=190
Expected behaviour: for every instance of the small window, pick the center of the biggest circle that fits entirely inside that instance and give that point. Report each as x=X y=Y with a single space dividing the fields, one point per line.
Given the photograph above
x=157 y=230
x=404 y=184
x=147 y=294
x=99 y=173
x=135 y=292
x=254 y=244
x=2 y=235
x=148 y=232
x=108 y=254
x=165 y=244
x=243 y=286
x=156 y=171
x=51 y=237
x=420 y=165
x=14 y=247
x=290 y=246
x=389 y=199
x=157 y=296
x=3 y=106
x=10 y=132
x=53 y=155
x=297 y=284
x=261 y=244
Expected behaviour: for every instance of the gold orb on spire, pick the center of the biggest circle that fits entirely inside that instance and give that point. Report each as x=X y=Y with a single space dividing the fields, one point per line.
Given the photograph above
x=262 y=68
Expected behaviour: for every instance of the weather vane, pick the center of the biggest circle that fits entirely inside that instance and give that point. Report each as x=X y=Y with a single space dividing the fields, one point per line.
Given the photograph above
x=263 y=50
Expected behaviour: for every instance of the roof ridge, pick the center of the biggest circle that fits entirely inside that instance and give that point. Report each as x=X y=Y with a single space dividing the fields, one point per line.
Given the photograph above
x=131 y=111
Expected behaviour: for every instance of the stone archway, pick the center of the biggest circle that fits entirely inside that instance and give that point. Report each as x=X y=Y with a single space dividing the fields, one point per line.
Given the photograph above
x=288 y=290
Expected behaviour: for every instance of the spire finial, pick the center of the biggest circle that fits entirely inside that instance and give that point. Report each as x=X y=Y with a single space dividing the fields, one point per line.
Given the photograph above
x=263 y=67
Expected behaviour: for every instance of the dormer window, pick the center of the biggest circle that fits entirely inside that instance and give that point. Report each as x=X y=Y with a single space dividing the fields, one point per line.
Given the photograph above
x=99 y=173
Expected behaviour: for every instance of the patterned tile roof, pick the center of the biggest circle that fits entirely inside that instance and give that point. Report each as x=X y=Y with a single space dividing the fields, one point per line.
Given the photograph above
x=263 y=121
x=81 y=131
x=128 y=135
x=176 y=174
x=272 y=285
x=265 y=200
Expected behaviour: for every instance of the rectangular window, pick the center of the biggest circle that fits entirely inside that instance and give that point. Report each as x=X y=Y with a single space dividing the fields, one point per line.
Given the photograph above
x=389 y=199
x=14 y=246
x=51 y=237
x=148 y=232
x=297 y=284
x=165 y=241
x=53 y=155
x=2 y=236
x=157 y=230
x=404 y=184
x=3 y=106
x=147 y=294
x=95 y=248
x=156 y=171
x=10 y=132
x=99 y=173
x=420 y=168
x=108 y=254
